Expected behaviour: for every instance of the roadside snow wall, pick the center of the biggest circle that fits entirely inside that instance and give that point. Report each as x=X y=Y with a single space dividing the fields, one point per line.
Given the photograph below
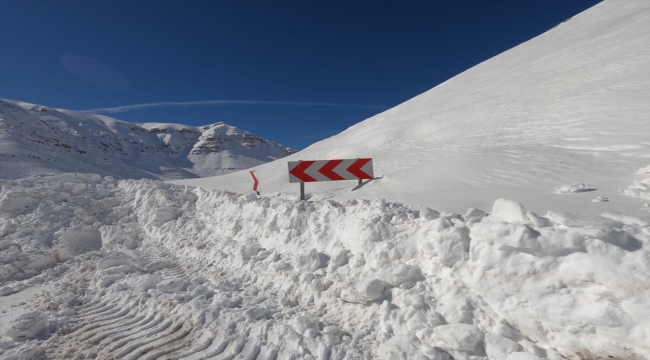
x=475 y=285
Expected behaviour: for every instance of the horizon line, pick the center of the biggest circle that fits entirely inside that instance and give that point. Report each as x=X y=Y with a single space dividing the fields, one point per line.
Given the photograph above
x=135 y=107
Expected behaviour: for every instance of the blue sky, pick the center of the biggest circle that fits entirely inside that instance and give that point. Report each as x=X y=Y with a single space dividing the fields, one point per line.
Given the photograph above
x=317 y=67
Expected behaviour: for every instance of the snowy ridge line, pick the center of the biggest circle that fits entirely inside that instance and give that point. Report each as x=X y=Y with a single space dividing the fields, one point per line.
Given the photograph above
x=38 y=140
x=187 y=273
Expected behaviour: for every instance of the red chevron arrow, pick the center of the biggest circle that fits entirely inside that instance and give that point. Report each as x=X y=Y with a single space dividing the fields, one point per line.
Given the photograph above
x=328 y=170
x=355 y=169
x=255 y=181
x=299 y=171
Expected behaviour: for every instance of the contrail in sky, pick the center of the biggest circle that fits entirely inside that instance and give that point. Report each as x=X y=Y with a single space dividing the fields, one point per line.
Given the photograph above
x=125 y=108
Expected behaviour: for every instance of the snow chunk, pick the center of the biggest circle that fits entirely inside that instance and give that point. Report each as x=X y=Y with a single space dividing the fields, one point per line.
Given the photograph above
x=150 y=282
x=16 y=203
x=131 y=244
x=340 y=258
x=537 y=220
x=303 y=323
x=248 y=197
x=255 y=313
x=370 y=289
x=508 y=210
x=397 y=273
x=246 y=252
x=422 y=323
x=574 y=188
x=332 y=330
x=164 y=215
x=461 y=337
x=202 y=290
x=315 y=260
x=503 y=330
x=428 y=214
x=498 y=347
x=7 y=290
x=112 y=260
x=226 y=285
x=118 y=269
x=448 y=244
x=518 y=355
x=473 y=213
x=171 y=286
x=76 y=241
x=198 y=280
x=28 y=326
x=363 y=291
x=451 y=245
x=407 y=347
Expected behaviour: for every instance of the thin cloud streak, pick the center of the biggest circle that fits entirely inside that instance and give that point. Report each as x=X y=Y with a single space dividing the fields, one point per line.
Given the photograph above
x=134 y=107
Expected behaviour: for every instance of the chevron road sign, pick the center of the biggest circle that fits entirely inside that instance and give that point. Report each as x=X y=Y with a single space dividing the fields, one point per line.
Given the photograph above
x=329 y=170
x=255 y=182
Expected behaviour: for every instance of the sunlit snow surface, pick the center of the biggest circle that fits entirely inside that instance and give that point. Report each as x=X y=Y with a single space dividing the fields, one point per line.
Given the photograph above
x=143 y=269
x=182 y=269
x=569 y=106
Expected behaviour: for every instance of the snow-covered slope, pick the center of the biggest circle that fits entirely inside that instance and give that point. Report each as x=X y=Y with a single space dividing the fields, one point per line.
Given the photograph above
x=569 y=106
x=35 y=140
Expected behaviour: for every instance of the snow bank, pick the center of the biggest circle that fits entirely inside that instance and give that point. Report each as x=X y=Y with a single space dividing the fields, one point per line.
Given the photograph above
x=58 y=218
x=337 y=279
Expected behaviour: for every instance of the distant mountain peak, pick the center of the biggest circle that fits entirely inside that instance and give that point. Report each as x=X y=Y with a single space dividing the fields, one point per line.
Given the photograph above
x=38 y=140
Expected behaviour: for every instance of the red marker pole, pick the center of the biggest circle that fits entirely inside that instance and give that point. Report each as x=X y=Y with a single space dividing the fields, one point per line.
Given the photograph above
x=255 y=182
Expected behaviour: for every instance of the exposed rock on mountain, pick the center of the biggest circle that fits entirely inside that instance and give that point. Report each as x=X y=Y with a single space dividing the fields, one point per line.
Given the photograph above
x=35 y=140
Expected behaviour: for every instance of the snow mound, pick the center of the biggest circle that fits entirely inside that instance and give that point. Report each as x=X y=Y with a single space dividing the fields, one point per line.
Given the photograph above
x=357 y=278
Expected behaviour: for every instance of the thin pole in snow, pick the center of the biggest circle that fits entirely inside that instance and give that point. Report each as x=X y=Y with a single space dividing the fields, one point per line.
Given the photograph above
x=302 y=190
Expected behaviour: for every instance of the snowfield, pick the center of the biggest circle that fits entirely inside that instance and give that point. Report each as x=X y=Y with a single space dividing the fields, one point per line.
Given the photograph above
x=157 y=270
x=567 y=107
x=508 y=221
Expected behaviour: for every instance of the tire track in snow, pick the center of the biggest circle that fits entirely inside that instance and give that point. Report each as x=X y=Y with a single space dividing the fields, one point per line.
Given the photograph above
x=106 y=330
x=130 y=329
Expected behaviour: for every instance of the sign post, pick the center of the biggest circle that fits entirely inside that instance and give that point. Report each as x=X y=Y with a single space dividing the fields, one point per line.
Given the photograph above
x=302 y=190
x=329 y=170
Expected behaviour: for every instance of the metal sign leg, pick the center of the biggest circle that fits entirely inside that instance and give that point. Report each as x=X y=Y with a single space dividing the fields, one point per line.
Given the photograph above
x=302 y=190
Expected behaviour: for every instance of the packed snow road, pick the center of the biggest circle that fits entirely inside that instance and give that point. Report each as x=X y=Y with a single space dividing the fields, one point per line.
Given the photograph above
x=142 y=269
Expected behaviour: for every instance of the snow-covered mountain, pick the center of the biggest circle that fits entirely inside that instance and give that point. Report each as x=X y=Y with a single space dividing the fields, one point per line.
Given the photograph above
x=35 y=140
x=567 y=107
